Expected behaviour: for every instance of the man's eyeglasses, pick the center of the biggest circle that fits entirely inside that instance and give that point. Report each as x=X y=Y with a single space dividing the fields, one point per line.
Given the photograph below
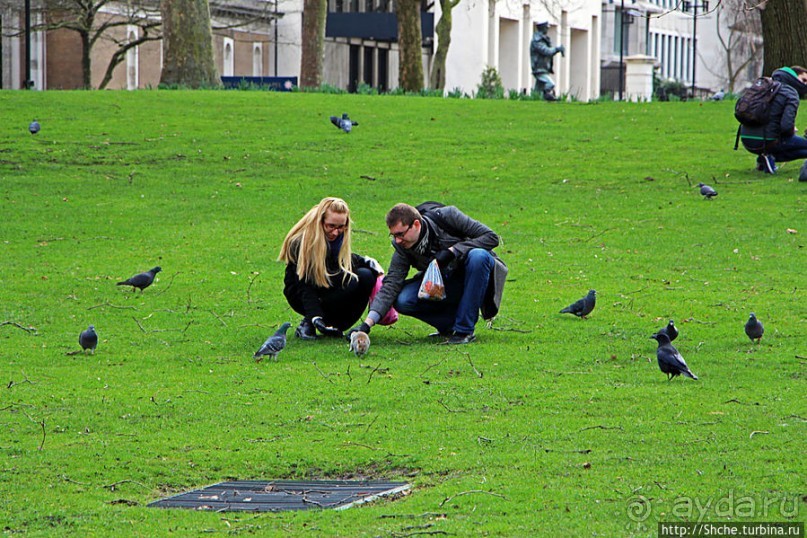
x=334 y=227
x=400 y=235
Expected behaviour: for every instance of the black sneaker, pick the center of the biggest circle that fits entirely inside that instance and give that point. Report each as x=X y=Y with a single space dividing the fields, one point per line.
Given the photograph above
x=305 y=330
x=441 y=334
x=459 y=339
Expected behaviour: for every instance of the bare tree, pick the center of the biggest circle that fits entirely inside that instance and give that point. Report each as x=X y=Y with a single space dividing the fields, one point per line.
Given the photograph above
x=782 y=32
x=85 y=17
x=313 y=53
x=410 y=41
x=437 y=79
x=188 y=44
x=739 y=32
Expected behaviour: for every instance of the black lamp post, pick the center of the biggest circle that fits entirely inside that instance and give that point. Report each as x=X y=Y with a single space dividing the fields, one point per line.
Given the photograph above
x=625 y=18
x=28 y=83
x=693 y=5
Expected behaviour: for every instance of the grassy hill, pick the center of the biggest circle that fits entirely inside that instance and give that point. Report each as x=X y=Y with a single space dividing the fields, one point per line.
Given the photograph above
x=548 y=425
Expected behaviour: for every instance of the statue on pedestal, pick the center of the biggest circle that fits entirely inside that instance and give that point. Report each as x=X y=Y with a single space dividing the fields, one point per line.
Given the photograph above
x=541 y=55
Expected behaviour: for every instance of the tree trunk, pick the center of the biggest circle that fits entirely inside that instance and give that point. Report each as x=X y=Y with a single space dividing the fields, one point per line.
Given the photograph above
x=437 y=80
x=188 y=44
x=313 y=53
x=783 y=34
x=410 y=69
x=86 y=60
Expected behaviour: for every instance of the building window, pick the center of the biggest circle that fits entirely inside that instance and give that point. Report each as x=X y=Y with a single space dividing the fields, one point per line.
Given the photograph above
x=228 y=59
x=257 y=60
x=132 y=62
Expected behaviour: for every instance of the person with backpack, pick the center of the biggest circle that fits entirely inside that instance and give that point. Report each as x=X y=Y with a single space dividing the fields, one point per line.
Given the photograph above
x=325 y=282
x=473 y=275
x=772 y=137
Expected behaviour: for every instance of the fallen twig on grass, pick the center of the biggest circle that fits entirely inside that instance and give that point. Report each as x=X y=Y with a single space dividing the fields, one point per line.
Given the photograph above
x=15 y=324
x=438 y=363
x=417 y=532
x=446 y=407
x=583 y=451
x=26 y=380
x=477 y=372
x=756 y=432
x=481 y=491
x=138 y=324
x=509 y=330
x=351 y=443
x=249 y=288
x=371 y=424
x=218 y=318
x=114 y=485
x=68 y=479
x=41 y=423
x=328 y=379
x=601 y=427
x=163 y=290
x=374 y=371
x=436 y=515
x=110 y=305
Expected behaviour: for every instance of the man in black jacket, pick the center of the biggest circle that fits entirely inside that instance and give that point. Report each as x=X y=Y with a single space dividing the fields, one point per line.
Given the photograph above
x=473 y=275
x=777 y=140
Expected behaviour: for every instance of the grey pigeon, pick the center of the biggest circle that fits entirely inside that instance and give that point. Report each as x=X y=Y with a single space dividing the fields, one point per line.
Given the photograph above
x=670 y=330
x=273 y=345
x=669 y=360
x=582 y=307
x=359 y=343
x=754 y=328
x=344 y=123
x=88 y=339
x=142 y=280
x=707 y=191
x=718 y=96
x=34 y=127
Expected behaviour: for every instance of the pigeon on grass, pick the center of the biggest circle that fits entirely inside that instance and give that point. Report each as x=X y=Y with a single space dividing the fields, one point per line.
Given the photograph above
x=273 y=345
x=582 y=307
x=88 y=339
x=754 y=328
x=670 y=330
x=359 y=343
x=670 y=360
x=142 y=280
x=344 y=123
x=707 y=191
x=34 y=127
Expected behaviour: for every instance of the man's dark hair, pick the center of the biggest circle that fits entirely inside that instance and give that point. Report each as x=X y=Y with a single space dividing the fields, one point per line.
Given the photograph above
x=403 y=213
x=798 y=69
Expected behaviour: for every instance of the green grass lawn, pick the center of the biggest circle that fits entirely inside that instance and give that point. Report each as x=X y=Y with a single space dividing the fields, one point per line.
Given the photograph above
x=548 y=425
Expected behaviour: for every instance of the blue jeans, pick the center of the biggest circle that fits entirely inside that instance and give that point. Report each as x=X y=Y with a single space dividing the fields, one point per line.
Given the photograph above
x=465 y=286
x=786 y=149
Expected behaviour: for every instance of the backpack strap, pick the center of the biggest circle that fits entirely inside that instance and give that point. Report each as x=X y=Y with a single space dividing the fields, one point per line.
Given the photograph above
x=737 y=140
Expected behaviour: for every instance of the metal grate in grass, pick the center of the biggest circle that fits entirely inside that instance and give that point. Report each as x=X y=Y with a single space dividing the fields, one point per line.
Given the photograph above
x=277 y=495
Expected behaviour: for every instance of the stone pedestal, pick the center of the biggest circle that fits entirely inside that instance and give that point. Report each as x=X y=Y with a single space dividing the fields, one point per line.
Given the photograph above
x=639 y=77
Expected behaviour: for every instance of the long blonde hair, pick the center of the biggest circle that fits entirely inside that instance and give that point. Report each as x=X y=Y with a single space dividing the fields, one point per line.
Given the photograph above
x=307 y=246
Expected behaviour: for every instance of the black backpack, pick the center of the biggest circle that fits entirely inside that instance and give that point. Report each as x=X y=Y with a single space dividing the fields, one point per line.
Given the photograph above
x=753 y=107
x=429 y=209
x=426 y=207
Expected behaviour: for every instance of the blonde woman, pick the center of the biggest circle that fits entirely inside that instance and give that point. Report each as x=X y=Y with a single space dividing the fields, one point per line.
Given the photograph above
x=325 y=281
